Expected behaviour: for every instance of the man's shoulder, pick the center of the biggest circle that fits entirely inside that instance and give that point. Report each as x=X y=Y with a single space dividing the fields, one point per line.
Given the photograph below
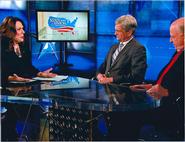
x=136 y=44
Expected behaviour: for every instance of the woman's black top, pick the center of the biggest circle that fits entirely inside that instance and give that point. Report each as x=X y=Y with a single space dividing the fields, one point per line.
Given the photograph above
x=12 y=64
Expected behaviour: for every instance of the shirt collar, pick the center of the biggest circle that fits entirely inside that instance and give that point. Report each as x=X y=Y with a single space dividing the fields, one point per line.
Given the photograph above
x=126 y=41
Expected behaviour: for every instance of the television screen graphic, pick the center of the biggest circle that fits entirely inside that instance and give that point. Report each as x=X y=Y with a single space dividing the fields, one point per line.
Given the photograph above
x=62 y=26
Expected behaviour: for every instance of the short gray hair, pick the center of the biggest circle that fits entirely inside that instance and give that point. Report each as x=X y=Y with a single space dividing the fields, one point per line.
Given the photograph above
x=128 y=22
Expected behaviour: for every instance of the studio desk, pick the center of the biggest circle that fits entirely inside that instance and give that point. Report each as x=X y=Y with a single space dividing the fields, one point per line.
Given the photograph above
x=80 y=109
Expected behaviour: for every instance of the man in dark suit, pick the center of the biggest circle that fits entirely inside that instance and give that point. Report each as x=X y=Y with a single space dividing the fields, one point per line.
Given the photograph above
x=169 y=88
x=126 y=61
x=169 y=85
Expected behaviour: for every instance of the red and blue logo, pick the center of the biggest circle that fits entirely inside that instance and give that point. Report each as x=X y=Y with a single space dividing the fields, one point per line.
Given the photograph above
x=61 y=24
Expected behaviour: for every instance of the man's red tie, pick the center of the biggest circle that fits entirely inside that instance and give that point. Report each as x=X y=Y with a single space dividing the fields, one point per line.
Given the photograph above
x=174 y=59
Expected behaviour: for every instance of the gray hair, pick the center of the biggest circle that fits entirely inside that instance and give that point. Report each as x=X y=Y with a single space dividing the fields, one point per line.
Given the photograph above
x=128 y=22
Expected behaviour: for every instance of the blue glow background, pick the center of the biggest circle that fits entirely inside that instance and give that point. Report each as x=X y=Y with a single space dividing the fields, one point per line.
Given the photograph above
x=154 y=19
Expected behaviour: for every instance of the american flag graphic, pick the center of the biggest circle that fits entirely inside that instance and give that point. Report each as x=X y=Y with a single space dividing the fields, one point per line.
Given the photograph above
x=62 y=24
x=64 y=29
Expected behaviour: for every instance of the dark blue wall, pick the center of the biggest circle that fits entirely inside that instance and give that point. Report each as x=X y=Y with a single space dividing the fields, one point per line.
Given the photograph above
x=154 y=18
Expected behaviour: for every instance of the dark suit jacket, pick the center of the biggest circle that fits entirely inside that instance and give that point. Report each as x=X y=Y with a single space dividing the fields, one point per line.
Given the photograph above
x=12 y=64
x=169 y=117
x=174 y=81
x=129 y=66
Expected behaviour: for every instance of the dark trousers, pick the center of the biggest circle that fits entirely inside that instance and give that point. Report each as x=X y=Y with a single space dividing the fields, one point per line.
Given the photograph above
x=169 y=120
x=124 y=126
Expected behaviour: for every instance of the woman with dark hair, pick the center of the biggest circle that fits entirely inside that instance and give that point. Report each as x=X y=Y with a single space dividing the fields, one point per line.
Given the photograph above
x=16 y=65
x=15 y=55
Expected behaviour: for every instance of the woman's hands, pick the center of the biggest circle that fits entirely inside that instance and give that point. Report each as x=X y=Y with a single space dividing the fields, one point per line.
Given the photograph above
x=15 y=77
x=47 y=73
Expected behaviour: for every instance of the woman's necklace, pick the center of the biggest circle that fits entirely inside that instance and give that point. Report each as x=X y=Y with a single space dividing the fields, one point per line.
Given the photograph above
x=17 y=50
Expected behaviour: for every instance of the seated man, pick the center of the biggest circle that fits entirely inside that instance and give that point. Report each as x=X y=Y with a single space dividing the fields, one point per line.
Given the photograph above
x=169 y=87
x=126 y=61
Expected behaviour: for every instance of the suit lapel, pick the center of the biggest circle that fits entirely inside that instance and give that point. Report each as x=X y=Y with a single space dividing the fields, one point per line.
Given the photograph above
x=123 y=52
x=109 y=59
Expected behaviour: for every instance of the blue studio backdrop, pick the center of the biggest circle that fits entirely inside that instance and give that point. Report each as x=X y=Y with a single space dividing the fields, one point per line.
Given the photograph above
x=154 y=19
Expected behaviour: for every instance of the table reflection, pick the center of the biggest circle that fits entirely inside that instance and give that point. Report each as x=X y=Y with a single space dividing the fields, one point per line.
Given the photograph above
x=83 y=93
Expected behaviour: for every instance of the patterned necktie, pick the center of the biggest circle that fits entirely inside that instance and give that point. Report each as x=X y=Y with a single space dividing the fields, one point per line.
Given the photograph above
x=115 y=54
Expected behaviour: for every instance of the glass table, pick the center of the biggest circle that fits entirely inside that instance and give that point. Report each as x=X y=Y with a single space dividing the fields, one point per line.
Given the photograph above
x=74 y=104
